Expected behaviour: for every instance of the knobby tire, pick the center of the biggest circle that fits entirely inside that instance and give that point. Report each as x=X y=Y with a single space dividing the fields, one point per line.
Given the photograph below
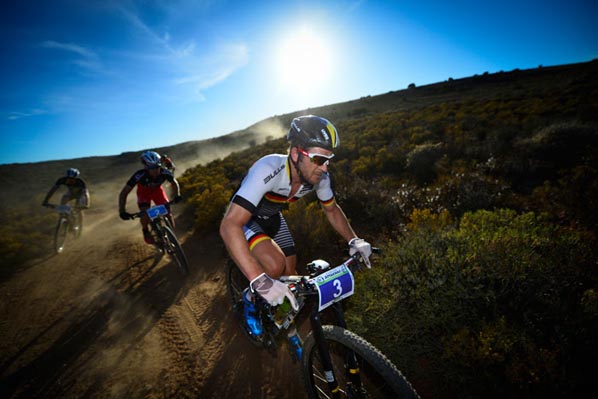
x=78 y=224
x=380 y=378
x=60 y=234
x=176 y=251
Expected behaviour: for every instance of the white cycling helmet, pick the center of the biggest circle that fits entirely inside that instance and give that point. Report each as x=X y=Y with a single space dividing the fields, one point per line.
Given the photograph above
x=151 y=159
x=72 y=172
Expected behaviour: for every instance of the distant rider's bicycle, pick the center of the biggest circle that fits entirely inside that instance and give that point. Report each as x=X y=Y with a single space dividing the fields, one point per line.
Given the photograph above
x=69 y=221
x=336 y=363
x=164 y=238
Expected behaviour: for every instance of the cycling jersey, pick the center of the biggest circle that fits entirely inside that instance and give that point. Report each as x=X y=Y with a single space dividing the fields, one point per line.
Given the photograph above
x=143 y=178
x=76 y=189
x=264 y=191
x=149 y=189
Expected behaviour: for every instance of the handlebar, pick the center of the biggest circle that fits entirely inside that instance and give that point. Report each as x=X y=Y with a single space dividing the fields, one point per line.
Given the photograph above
x=327 y=285
x=305 y=285
x=141 y=213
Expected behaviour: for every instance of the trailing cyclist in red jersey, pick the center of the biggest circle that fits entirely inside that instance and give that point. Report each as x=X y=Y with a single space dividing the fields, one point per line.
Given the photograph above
x=149 y=182
x=150 y=188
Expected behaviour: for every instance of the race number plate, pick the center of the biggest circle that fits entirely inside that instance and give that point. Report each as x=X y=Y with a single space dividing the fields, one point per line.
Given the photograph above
x=156 y=211
x=334 y=285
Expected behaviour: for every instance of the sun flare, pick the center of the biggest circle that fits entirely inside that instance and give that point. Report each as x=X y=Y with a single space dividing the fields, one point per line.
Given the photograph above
x=304 y=61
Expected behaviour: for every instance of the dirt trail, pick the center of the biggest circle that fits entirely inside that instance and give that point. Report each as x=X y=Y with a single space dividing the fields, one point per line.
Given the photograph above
x=108 y=319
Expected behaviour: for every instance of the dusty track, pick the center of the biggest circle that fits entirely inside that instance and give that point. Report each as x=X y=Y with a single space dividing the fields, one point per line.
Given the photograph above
x=108 y=319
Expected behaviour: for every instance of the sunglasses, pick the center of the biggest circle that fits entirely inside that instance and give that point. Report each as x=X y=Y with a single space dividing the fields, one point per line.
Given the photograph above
x=318 y=159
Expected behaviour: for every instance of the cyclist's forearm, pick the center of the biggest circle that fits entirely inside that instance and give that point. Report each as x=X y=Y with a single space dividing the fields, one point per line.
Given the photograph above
x=50 y=193
x=176 y=187
x=122 y=197
x=339 y=222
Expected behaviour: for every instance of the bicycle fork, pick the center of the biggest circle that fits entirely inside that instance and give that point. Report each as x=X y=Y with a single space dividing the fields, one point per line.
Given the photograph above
x=322 y=344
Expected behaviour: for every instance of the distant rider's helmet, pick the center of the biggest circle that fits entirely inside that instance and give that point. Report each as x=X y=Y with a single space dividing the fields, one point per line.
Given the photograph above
x=313 y=131
x=151 y=159
x=72 y=172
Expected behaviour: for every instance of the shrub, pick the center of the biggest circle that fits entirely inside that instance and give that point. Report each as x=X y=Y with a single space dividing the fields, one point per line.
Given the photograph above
x=421 y=161
x=496 y=305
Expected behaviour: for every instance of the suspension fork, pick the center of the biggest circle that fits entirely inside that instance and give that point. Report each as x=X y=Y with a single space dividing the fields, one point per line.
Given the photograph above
x=352 y=363
x=324 y=353
x=159 y=236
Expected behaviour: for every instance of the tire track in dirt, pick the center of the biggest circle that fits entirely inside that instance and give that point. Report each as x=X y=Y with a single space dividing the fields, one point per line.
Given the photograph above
x=108 y=318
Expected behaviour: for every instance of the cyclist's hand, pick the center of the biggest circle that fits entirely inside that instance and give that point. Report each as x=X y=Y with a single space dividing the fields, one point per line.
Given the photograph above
x=363 y=247
x=178 y=198
x=125 y=215
x=273 y=291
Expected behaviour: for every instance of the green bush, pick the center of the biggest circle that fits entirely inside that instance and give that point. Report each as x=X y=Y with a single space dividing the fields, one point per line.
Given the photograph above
x=499 y=304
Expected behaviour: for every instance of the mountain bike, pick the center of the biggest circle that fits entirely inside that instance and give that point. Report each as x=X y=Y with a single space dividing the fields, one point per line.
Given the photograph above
x=69 y=221
x=335 y=363
x=165 y=240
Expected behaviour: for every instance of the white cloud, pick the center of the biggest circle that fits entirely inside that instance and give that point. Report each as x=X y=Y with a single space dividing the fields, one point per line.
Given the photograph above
x=88 y=59
x=216 y=67
x=194 y=68
x=13 y=116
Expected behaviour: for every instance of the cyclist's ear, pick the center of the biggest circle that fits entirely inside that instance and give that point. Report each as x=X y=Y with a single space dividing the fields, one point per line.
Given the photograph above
x=294 y=154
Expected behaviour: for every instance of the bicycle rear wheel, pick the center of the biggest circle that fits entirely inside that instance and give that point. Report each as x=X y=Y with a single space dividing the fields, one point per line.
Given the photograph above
x=176 y=251
x=60 y=234
x=379 y=377
x=236 y=282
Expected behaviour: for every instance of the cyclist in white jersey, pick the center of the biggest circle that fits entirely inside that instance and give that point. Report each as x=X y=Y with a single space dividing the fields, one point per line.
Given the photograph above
x=253 y=228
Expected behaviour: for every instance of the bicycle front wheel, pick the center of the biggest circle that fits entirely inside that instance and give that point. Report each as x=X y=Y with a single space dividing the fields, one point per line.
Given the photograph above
x=176 y=251
x=60 y=234
x=78 y=224
x=379 y=378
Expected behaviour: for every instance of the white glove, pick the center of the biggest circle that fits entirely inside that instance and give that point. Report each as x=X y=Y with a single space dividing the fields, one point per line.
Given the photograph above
x=363 y=247
x=273 y=291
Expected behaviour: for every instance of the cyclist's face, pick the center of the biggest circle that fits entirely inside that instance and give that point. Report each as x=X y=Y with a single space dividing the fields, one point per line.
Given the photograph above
x=311 y=171
x=155 y=172
x=70 y=181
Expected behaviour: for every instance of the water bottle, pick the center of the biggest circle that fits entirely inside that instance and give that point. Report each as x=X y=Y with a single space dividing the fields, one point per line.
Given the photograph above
x=280 y=317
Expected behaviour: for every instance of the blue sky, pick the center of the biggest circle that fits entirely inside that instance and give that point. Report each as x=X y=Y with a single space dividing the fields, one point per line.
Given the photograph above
x=98 y=77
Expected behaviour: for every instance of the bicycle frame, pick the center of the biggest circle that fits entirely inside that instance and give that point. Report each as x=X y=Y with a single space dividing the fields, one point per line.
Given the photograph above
x=68 y=222
x=156 y=215
x=327 y=347
x=164 y=237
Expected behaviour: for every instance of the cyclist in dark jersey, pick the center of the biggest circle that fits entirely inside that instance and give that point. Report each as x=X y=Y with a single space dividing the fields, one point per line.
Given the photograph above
x=253 y=229
x=149 y=188
x=76 y=189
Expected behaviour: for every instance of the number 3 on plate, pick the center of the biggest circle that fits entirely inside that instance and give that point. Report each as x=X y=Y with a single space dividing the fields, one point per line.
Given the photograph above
x=339 y=288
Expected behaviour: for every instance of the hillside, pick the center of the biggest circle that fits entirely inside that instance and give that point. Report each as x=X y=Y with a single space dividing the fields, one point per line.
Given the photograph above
x=481 y=191
x=483 y=194
x=24 y=179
